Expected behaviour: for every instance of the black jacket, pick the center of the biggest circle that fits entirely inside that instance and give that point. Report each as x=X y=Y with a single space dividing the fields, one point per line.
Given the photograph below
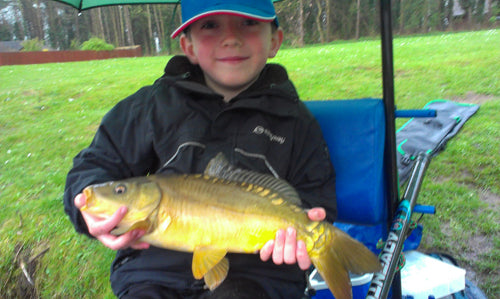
x=176 y=126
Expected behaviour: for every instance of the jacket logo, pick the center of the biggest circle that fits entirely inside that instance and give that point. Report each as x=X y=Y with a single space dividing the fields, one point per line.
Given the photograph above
x=259 y=130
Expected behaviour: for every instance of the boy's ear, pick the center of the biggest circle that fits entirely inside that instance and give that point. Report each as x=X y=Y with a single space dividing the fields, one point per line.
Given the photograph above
x=276 y=41
x=188 y=48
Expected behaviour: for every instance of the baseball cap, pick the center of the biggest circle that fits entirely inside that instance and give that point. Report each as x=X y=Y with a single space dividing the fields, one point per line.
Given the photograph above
x=193 y=10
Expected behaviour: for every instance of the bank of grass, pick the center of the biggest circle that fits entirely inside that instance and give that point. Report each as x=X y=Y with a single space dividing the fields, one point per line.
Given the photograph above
x=49 y=112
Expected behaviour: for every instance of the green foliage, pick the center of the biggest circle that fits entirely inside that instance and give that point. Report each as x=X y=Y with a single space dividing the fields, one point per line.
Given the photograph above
x=5 y=30
x=45 y=123
x=96 y=44
x=75 y=44
x=32 y=45
x=495 y=14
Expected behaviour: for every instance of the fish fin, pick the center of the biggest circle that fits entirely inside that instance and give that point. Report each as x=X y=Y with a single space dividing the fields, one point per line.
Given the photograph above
x=217 y=274
x=204 y=259
x=339 y=255
x=334 y=274
x=355 y=256
x=221 y=168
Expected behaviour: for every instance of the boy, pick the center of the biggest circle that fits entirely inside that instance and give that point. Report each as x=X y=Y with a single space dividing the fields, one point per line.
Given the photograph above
x=220 y=97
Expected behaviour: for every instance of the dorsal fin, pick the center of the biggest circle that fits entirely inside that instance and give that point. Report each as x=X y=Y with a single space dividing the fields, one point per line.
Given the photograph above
x=221 y=168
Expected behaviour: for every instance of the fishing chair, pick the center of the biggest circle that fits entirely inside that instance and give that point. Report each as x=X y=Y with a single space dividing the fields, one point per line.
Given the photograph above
x=355 y=132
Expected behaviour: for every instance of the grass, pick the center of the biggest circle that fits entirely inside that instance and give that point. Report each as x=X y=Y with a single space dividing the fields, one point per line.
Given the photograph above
x=49 y=112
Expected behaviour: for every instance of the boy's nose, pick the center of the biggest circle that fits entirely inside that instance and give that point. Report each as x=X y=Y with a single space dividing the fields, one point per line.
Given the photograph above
x=231 y=37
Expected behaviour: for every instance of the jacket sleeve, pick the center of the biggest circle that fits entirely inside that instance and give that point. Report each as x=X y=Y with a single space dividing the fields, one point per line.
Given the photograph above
x=121 y=148
x=312 y=172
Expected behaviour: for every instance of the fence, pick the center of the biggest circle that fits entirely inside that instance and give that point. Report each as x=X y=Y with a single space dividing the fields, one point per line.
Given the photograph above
x=11 y=58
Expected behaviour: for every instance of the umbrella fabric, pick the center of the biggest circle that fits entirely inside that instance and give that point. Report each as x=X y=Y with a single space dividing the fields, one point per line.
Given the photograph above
x=86 y=4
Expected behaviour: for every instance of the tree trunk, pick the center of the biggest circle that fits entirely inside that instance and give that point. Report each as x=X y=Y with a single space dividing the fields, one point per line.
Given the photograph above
x=77 y=28
x=114 y=25
x=122 y=27
x=150 y=29
x=425 y=16
x=319 y=23
x=327 y=20
x=128 y=26
x=358 y=18
x=487 y=5
x=30 y=20
x=401 y=17
x=39 y=21
x=159 y=29
x=301 y=23
x=97 y=27
x=100 y=25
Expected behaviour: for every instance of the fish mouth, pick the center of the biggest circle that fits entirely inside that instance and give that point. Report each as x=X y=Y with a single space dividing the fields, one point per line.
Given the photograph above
x=88 y=195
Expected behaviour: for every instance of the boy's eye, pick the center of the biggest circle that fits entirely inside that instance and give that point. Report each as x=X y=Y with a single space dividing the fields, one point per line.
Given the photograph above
x=209 y=25
x=250 y=22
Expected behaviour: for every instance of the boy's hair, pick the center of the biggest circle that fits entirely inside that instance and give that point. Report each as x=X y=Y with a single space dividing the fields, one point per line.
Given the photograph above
x=193 y=10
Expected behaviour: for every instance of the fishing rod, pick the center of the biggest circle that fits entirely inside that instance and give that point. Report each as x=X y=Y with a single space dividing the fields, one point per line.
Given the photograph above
x=389 y=257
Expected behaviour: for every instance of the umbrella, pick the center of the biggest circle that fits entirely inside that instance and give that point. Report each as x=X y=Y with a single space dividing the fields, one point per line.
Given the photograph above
x=87 y=4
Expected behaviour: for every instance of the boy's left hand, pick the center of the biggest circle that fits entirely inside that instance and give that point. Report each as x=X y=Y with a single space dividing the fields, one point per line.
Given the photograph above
x=286 y=249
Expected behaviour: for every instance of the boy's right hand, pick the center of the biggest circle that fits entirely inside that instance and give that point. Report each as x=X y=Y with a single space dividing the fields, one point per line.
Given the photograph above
x=101 y=228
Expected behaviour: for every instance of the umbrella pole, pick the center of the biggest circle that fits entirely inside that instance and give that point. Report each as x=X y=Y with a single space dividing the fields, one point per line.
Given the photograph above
x=390 y=143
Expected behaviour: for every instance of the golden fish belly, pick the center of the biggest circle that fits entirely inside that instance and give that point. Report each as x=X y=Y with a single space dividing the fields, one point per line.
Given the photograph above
x=198 y=211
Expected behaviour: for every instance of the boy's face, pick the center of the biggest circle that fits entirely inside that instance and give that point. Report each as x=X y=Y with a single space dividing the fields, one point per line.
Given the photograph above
x=231 y=50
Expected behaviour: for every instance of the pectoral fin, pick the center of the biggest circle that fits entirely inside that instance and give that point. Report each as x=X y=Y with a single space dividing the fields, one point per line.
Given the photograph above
x=206 y=258
x=217 y=274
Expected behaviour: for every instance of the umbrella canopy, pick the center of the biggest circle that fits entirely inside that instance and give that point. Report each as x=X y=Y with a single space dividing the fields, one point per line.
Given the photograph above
x=86 y=4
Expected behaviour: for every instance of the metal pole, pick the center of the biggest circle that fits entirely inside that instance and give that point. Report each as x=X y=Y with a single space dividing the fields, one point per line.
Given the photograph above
x=388 y=95
x=390 y=143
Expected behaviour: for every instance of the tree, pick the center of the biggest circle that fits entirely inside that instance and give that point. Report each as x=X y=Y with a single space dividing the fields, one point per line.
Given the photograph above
x=319 y=21
x=150 y=26
x=6 y=32
x=358 y=18
x=303 y=21
x=128 y=26
x=31 y=19
x=96 y=21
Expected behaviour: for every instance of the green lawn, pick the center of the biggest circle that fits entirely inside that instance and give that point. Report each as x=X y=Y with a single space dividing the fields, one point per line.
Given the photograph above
x=49 y=112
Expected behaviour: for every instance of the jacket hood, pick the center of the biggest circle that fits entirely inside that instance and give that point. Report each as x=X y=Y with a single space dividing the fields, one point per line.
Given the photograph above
x=273 y=80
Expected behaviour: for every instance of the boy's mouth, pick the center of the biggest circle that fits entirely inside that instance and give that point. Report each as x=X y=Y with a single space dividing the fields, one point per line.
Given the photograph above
x=233 y=59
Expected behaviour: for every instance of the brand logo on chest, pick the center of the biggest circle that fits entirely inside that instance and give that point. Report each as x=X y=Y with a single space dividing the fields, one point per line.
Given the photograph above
x=259 y=130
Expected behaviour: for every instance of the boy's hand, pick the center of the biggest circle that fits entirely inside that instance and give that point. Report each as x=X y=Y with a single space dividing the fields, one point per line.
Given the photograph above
x=100 y=228
x=286 y=249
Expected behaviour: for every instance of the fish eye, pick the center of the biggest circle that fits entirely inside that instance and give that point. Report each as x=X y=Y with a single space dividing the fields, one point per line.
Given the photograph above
x=120 y=189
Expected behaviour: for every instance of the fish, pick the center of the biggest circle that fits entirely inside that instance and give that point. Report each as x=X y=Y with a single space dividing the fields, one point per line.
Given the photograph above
x=227 y=209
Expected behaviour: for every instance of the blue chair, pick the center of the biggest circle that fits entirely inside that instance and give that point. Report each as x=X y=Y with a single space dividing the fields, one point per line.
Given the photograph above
x=354 y=131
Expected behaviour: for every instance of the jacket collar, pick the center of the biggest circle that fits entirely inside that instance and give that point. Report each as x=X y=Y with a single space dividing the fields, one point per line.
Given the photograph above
x=272 y=81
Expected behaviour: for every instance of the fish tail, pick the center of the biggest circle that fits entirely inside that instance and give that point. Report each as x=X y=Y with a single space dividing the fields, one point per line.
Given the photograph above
x=339 y=255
